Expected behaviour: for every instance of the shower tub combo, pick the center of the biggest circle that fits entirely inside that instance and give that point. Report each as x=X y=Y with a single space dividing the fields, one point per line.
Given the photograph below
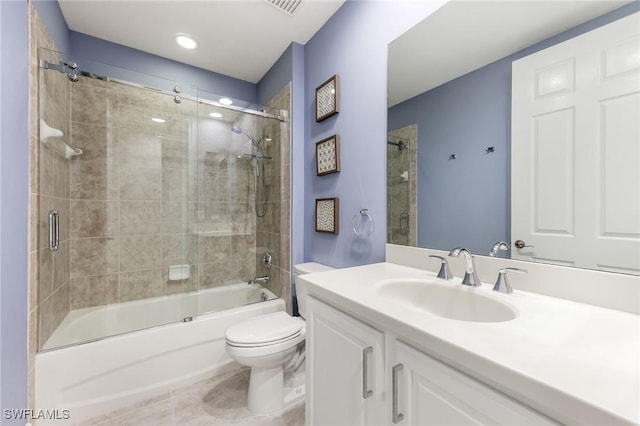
x=157 y=203
x=105 y=374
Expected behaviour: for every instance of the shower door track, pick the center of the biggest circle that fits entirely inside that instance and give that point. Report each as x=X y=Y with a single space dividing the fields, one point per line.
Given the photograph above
x=62 y=68
x=234 y=108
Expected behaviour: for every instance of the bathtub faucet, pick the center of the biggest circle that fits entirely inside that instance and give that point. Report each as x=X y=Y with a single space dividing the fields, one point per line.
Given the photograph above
x=260 y=280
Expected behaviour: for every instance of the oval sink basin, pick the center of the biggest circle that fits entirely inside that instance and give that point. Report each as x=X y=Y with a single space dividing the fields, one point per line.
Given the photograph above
x=450 y=300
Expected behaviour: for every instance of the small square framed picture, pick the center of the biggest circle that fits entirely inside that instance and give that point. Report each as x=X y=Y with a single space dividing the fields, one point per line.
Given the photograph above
x=327 y=215
x=327 y=98
x=328 y=155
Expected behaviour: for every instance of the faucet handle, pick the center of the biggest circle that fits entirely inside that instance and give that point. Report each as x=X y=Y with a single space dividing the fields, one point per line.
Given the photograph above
x=502 y=283
x=445 y=272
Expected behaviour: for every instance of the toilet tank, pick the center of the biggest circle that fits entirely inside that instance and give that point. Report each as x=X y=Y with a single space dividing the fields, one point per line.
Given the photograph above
x=302 y=269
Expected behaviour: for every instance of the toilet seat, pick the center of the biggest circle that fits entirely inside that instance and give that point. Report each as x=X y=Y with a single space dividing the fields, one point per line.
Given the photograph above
x=238 y=352
x=266 y=330
x=262 y=344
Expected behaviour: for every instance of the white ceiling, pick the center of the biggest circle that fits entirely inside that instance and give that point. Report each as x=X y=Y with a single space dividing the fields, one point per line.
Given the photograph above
x=237 y=38
x=465 y=35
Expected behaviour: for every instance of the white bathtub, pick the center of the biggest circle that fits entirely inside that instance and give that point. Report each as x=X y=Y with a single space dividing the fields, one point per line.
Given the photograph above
x=85 y=325
x=93 y=378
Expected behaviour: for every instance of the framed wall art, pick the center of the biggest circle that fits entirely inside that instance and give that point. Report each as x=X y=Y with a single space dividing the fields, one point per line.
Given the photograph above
x=328 y=155
x=327 y=98
x=327 y=215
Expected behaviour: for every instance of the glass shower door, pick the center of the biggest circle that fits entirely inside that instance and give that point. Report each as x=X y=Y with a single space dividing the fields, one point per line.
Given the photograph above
x=114 y=168
x=238 y=205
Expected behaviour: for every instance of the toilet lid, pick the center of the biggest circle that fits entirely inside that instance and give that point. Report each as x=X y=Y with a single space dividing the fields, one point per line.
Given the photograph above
x=264 y=329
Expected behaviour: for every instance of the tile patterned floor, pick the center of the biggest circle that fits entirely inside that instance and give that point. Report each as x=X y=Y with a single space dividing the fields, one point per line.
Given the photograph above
x=217 y=401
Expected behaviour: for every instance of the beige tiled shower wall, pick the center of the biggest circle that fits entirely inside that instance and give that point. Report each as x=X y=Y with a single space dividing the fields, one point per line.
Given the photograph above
x=274 y=229
x=49 y=189
x=147 y=195
x=402 y=190
x=226 y=230
x=132 y=202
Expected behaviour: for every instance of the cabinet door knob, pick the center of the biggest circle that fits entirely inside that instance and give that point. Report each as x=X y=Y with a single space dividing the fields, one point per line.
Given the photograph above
x=366 y=392
x=396 y=415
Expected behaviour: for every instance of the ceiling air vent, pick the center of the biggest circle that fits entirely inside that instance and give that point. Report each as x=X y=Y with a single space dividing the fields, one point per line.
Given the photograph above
x=287 y=6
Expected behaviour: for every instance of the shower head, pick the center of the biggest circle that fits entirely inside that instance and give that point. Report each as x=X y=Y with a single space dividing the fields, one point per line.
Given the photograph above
x=238 y=131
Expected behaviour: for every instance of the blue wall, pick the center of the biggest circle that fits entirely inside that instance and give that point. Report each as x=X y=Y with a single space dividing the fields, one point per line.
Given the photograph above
x=1 y=234
x=290 y=68
x=465 y=116
x=353 y=44
x=144 y=68
x=463 y=202
x=277 y=77
x=129 y=64
x=52 y=18
x=14 y=193
x=297 y=154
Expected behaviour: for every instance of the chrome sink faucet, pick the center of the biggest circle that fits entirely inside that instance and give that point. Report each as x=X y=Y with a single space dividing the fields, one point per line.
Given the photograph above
x=470 y=274
x=500 y=245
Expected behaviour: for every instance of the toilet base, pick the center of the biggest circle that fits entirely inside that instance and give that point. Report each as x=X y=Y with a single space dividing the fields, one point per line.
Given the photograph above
x=266 y=390
x=294 y=387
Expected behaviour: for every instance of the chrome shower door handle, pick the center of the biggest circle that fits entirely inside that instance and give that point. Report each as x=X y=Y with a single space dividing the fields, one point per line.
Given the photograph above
x=366 y=392
x=396 y=416
x=54 y=230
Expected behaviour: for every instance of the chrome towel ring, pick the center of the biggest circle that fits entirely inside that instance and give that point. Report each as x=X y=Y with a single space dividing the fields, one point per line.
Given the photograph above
x=361 y=233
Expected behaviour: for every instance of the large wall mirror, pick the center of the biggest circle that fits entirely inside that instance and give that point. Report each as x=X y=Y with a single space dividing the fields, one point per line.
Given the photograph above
x=456 y=140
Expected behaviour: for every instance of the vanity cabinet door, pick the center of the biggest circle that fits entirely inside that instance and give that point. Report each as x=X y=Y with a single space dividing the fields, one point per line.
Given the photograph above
x=345 y=366
x=428 y=392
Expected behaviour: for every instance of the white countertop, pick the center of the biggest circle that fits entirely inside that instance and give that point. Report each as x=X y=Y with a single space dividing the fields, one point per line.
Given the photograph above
x=575 y=362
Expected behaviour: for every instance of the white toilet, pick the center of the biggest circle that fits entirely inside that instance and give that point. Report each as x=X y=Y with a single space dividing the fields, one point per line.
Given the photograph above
x=269 y=344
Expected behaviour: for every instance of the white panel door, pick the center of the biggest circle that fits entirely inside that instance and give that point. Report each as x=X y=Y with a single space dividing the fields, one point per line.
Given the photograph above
x=575 y=170
x=432 y=393
x=345 y=364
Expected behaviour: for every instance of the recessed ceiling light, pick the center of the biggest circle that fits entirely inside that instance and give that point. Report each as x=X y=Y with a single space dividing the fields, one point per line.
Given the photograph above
x=216 y=115
x=186 y=41
x=158 y=120
x=225 y=101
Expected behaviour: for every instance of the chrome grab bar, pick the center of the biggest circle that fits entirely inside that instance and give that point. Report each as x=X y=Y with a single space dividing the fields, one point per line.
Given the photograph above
x=396 y=415
x=366 y=392
x=54 y=230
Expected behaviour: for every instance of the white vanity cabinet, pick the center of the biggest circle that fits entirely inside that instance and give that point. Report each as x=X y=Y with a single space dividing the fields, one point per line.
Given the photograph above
x=349 y=383
x=424 y=391
x=555 y=361
x=345 y=369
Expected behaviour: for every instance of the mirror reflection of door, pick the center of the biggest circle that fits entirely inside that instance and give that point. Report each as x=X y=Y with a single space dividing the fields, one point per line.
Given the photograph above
x=576 y=151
